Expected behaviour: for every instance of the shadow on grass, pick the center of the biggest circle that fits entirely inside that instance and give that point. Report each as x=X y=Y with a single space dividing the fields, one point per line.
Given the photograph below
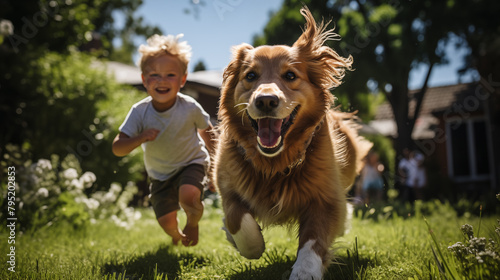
x=278 y=267
x=161 y=264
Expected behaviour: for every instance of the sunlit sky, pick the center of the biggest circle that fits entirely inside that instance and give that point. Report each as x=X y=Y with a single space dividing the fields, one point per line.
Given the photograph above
x=221 y=24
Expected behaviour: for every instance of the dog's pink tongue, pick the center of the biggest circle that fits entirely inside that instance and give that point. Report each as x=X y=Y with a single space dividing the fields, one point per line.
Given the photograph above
x=269 y=131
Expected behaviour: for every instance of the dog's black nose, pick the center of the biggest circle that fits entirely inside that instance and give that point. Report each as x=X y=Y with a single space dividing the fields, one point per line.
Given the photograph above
x=267 y=102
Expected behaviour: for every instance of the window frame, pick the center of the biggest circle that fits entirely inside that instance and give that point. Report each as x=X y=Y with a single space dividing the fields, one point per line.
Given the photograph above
x=471 y=149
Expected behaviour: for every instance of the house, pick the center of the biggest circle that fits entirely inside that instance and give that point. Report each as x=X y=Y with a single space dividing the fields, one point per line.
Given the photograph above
x=458 y=133
x=204 y=86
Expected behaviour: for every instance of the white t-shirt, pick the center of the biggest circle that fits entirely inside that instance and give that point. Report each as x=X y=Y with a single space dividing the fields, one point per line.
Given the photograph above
x=408 y=170
x=416 y=176
x=178 y=143
x=419 y=178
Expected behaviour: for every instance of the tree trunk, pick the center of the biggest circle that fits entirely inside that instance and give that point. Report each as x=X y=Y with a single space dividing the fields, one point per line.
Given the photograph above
x=399 y=103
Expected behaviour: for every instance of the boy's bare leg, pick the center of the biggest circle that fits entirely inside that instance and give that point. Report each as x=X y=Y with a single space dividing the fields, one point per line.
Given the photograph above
x=190 y=201
x=170 y=225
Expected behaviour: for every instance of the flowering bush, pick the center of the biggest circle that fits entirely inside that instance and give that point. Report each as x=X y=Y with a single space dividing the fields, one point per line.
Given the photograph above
x=67 y=103
x=478 y=257
x=51 y=191
x=476 y=250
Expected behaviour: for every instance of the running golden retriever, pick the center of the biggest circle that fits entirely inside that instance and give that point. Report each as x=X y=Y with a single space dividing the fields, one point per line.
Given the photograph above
x=284 y=156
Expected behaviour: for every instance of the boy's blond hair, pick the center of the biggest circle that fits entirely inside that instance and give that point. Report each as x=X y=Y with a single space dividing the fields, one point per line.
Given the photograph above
x=159 y=45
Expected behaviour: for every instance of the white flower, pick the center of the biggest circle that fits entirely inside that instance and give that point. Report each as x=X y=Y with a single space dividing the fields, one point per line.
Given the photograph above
x=115 y=188
x=42 y=166
x=137 y=215
x=99 y=196
x=109 y=197
x=33 y=178
x=77 y=184
x=44 y=163
x=92 y=204
x=6 y=27
x=43 y=192
x=122 y=224
x=70 y=174
x=208 y=202
x=87 y=179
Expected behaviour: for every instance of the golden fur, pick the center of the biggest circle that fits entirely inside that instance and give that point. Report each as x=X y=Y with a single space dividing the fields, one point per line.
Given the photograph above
x=302 y=179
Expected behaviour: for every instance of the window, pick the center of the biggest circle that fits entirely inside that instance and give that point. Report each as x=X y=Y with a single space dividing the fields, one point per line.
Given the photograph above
x=468 y=149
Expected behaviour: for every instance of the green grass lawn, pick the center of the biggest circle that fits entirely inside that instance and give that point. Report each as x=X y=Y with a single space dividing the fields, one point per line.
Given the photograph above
x=393 y=248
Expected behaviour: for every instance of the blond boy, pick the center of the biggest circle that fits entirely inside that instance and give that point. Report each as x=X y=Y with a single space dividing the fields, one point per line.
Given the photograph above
x=168 y=125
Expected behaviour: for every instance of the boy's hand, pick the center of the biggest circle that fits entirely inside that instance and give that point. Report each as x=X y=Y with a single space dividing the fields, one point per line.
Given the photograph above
x=149 y=134
x=123 y=144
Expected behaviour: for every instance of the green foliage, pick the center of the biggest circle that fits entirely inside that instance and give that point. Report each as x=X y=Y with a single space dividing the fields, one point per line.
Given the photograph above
x=365 y=104
x=405 y=210
x=56 y=25
x=49 y=24
x=51 y=192
x=53 y=100
x=398 y=209
x=68 y=105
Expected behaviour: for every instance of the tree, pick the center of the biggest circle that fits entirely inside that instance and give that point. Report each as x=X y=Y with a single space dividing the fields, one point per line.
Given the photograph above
x=50 y=97
x=55 y=25
x=199 y=66
x=387 y=40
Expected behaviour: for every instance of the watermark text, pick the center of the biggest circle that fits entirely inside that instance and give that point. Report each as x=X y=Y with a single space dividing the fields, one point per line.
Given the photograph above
x=11 y=218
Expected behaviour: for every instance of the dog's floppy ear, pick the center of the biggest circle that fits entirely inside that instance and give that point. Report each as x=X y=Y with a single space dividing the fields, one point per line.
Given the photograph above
x=232 y=71
x=230 y=78
x=326 y=67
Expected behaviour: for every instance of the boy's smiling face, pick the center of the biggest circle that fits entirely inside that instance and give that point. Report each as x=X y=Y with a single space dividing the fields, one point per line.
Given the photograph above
x=163 y=77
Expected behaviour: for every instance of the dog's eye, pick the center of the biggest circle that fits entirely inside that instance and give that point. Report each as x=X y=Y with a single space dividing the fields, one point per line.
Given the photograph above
x=251 y=76
x=290 y=76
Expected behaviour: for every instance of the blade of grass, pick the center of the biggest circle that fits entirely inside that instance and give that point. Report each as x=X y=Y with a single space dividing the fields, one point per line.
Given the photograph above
x=480 y=218
x=453 y=273
x=439 y=264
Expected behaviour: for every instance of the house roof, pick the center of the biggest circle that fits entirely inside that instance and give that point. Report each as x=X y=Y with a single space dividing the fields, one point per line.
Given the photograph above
x=211 y=78
x=131 y=75
x=436 y=100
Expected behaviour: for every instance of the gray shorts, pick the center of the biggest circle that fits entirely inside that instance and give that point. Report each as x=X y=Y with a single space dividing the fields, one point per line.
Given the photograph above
x=165 y=194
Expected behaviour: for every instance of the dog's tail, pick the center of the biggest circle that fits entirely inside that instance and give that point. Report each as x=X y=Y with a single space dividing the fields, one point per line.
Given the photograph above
x=350 y=147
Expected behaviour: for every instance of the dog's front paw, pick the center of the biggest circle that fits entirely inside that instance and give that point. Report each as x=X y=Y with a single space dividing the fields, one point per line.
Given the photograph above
x=308 y=264
x=248 y=240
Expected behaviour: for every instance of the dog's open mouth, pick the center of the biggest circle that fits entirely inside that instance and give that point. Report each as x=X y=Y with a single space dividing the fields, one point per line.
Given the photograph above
x=271 y=131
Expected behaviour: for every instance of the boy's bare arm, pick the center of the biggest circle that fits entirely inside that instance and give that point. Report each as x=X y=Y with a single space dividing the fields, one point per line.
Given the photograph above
x=208 y=136
x=123 y=144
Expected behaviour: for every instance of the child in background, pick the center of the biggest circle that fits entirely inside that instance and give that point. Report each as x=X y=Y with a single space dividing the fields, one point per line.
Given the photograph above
x=372 y=182
x=170 y=127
